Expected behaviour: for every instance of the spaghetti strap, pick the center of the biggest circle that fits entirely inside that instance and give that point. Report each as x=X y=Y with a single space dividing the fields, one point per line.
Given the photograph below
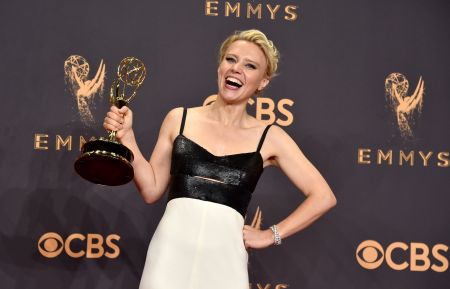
x=183 y=120
x=261 y=141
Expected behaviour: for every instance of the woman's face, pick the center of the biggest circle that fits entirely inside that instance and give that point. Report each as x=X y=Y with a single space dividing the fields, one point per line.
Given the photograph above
x=242 y=71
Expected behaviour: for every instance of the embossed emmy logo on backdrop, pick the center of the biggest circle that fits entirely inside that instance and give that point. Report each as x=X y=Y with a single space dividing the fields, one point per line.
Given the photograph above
x=76 y=70
x=404 y=106
x=106 y=161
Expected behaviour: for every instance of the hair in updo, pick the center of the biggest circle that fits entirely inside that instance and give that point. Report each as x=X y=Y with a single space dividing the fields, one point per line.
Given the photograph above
x=260 y=39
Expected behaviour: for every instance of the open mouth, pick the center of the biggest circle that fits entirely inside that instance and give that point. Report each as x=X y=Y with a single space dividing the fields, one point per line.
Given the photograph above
x=234 y=82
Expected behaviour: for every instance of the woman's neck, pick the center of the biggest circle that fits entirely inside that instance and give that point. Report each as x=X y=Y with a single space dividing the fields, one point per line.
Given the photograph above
x=229 y=114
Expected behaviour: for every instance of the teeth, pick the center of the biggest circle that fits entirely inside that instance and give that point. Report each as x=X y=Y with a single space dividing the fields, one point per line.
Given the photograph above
x=234 y=81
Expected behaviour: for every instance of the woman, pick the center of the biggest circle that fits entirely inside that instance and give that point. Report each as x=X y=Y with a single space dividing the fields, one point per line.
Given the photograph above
x=210 y=158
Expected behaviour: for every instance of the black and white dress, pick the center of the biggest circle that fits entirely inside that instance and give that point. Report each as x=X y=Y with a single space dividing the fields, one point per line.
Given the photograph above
x=198 y=243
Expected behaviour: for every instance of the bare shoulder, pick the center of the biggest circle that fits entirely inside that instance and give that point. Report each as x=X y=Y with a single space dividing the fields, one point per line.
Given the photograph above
x=281 y=139
x=172 y=122
x=277 y=144
x=175 y=113
x=277 y=133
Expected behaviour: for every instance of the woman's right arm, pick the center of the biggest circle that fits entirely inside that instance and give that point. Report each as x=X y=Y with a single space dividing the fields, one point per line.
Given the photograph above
x=151 y=177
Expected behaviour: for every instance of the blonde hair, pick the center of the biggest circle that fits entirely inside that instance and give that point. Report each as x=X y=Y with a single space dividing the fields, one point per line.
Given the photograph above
x=260 y=39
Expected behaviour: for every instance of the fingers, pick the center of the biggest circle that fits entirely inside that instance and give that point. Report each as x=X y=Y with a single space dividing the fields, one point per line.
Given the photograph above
x=122 y=112
x=246 y=231
x=111 y=124
x=114 y=119
x=124 y=109
x=119 y=120
x=114 y=109
x=255 y=238
x=249 y=228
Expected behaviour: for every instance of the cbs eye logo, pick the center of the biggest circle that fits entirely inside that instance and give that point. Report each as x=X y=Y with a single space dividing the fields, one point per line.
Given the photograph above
x=93 y=246
x=370 y=255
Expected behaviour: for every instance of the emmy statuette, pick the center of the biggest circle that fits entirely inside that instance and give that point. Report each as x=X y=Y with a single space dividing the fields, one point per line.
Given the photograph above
x=105 y=161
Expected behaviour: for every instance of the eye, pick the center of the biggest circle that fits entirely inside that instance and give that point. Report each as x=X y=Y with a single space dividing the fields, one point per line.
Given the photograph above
x=230 y=59
x=50 y=245
x=251 y=66
x=369 y=254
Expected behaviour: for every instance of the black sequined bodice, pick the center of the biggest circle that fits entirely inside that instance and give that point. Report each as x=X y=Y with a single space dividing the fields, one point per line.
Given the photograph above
x=228 y=180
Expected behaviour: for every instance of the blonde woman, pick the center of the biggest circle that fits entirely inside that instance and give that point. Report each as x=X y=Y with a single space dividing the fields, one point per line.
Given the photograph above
x=209 y=159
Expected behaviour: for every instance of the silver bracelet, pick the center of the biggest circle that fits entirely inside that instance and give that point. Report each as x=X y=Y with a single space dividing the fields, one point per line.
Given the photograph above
x=276 y=235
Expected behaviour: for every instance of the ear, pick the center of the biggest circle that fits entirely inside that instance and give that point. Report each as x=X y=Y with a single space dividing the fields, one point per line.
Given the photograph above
x=264 y=82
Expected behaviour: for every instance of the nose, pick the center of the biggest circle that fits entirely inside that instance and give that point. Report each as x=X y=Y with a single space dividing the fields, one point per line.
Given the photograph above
x=236 y=67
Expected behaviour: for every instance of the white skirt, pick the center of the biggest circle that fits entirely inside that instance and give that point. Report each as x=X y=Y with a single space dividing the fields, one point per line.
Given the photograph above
x=197 y=245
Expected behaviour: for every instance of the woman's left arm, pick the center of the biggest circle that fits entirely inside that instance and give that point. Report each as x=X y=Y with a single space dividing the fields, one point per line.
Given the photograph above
x=283 y=152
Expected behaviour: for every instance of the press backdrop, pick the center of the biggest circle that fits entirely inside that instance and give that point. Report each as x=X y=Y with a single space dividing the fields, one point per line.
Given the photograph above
x=363 y=88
